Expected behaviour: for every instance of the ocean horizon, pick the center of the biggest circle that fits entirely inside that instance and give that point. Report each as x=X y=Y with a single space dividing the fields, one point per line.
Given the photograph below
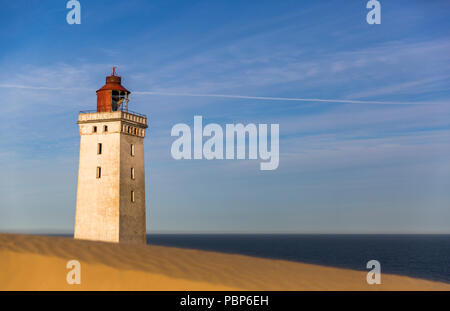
x=425 y=256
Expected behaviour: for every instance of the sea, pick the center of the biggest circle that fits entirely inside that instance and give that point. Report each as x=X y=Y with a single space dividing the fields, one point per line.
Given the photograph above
x=419 y=256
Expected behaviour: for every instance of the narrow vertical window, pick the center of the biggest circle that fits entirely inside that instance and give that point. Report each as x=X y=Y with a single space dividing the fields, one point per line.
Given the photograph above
x=94 y=129
x=132 y=196
x=132 y=150
x=99 y=148
x=99 y=172
x=132 y=173
x=105 y=128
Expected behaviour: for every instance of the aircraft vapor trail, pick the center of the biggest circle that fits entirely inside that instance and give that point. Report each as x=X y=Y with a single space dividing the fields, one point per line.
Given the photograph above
x=266 y=98
x=320 y=100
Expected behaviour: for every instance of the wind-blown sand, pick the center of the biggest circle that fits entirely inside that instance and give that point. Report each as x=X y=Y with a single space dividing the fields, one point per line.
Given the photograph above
x=39 y=263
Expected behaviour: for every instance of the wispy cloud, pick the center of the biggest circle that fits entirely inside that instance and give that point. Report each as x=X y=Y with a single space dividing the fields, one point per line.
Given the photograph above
x=365 y=71
x=363 y=112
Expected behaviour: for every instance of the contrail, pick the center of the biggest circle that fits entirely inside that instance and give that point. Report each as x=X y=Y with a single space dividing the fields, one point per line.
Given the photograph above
x=27 y=87
x=345 y=101
x=45 y=88
x=317 y=100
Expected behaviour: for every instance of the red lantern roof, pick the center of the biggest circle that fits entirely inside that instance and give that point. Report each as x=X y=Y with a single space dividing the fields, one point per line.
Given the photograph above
x=113 y=83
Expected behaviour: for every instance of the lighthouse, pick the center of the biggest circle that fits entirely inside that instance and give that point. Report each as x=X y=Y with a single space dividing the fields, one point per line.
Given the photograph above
x=111 y=178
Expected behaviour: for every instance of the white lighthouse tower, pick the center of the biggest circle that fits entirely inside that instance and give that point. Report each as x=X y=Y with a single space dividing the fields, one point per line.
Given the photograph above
x=111 y=178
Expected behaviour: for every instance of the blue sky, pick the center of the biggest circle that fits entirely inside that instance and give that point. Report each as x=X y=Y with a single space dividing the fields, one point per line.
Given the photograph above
x=344 y=167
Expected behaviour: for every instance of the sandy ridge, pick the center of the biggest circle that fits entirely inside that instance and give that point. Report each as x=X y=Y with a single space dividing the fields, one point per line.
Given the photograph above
x=39 y=263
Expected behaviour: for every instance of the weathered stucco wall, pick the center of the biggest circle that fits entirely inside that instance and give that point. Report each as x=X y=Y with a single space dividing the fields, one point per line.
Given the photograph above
x=104 y=209
x=132 y=214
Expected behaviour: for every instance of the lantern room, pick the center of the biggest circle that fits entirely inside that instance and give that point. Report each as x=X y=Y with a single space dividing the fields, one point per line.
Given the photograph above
x=112 y=96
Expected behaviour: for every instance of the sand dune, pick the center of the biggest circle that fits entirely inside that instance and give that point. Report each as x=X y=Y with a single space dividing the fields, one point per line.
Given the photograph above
x=39 y=263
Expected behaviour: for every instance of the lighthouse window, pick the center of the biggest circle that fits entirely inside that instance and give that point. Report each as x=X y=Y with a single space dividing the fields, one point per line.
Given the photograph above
x=99 y=148
x=132 y=150
x=132 y=196
x=99 y=172
x=94 y=129
x=132 y=173
x=117 y=100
